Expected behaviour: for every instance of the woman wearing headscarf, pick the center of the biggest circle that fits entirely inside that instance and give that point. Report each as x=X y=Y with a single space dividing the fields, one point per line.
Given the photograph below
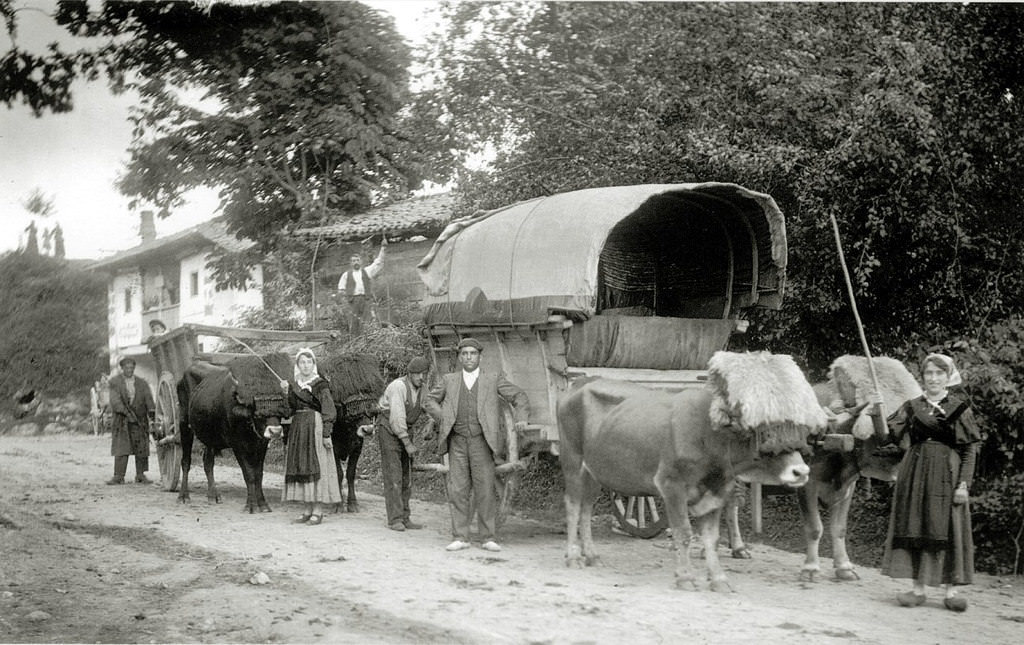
x=929 y=538
x=310 y=476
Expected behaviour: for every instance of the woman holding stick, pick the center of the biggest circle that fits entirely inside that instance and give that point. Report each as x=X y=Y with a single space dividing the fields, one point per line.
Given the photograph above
x=311 y=475
x=929 y=538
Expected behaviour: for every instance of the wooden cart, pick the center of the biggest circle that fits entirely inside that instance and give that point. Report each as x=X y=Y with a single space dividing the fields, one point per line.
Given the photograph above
x=639 y=283
x=173 y=353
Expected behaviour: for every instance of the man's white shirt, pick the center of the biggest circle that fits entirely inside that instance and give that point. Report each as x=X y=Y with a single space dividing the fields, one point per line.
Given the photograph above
x=469 y=378
x=357 y=276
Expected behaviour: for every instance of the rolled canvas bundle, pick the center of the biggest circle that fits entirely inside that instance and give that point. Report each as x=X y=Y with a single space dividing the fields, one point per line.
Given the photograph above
x=766 y=396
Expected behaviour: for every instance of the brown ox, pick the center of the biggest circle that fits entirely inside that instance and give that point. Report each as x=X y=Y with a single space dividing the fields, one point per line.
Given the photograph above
x=835 y=471
x=638 y=441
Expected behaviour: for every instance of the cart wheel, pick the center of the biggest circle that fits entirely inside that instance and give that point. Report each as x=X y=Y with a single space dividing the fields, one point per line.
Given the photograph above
x=168 y=441
x=507 y=486
x=508 y=483
x=639 y=516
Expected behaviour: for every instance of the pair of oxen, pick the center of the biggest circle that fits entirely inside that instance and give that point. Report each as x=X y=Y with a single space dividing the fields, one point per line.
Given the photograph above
x=230 y=405
x=753 y=423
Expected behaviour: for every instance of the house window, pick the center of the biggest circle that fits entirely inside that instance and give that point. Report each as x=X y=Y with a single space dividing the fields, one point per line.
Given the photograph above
x=127 y=301
x=193 y=284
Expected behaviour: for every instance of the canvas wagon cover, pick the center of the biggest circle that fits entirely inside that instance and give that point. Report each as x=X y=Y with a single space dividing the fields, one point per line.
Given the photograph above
x=520 y=263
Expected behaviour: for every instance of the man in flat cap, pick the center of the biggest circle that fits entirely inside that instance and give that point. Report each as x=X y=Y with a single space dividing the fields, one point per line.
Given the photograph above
x=465 y=405
x=401 y=407
x=132 y=404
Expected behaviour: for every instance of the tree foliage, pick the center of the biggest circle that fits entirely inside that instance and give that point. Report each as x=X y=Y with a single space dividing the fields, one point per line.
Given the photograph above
x=289 y=109
x=54 y=323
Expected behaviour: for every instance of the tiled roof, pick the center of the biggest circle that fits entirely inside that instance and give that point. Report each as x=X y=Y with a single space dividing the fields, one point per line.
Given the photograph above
x=411 y=216
x=210 y=232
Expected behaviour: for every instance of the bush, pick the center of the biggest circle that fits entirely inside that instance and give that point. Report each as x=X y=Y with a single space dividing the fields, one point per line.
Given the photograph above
x=394 y=347
x=54 y=322
x=998 y=516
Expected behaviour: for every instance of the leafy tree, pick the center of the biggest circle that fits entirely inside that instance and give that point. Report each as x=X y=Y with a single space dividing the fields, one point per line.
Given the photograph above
x=290 y=109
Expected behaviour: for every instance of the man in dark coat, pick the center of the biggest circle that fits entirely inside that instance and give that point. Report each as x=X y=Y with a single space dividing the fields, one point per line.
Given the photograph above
x=465 y=404
x=131 y=403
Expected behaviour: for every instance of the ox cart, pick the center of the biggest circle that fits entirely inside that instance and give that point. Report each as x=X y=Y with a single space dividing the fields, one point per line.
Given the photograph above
x=639 y=283
x=174 y=352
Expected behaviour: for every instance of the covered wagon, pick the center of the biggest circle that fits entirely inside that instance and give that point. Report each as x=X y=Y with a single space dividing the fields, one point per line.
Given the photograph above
x=640 y=283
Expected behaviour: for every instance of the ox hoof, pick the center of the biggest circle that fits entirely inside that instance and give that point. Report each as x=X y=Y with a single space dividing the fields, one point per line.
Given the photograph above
x=686 y=584
x=846 y=574
x=721 y=586
x=808 y=575
x=575 y=563
x=742 y=553
x=353 y=507
x=213 y=499
x=184 y=499
x=593 y=560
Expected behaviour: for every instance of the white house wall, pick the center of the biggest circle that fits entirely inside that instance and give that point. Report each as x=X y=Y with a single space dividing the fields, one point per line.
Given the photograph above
x=210 y=306
x=230 y=303
x=192 y=307
x=124 y=327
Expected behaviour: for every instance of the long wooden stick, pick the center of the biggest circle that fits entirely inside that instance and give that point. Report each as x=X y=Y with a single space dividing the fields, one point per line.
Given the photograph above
x=253 y=352
x=853 y=304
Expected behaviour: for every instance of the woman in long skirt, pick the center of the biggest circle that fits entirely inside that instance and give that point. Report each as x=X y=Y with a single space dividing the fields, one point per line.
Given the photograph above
x=929 y=538
x=311 y=475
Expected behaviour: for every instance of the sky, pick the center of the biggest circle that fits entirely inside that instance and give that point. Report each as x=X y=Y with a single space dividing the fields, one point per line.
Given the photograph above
x=75 y=158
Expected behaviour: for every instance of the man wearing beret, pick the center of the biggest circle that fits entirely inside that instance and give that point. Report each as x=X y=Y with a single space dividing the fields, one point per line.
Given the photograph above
x=401 y=405
x=465 y=405
x=132 y=403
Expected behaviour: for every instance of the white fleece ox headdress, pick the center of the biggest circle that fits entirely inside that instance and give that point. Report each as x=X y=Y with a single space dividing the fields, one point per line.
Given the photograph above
x=850 y=379
x=767 y=396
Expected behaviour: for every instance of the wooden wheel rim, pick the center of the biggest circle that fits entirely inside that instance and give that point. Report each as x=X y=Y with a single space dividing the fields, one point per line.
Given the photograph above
x=639 y=516
x=168 y=447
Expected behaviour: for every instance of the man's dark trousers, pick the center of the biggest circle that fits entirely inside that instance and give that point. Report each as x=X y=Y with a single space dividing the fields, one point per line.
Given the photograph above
x=396 y=471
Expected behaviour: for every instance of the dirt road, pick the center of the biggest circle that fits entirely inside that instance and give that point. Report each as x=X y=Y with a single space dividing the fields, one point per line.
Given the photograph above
x=85 y=562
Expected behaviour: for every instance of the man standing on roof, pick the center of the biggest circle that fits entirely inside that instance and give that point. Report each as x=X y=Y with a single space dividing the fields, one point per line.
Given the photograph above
x=465 y=404
x=357 y=285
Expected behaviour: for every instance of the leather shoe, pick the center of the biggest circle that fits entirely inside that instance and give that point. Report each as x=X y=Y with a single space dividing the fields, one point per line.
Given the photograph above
x=956 y=603
x=910 y=599
x=491 y=545
x=302 y=519
x=114 y=480
x=396 y=526
x=457 y=545
x=142 y=479
x=314 y=519
x=412 y=526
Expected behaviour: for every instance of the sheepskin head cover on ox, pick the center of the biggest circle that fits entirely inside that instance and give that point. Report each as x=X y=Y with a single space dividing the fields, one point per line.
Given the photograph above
x=764 y=395
x=851 y=379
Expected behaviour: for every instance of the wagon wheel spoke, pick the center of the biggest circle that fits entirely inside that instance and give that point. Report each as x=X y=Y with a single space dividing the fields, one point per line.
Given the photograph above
x=168 y=447
x=638 y=516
